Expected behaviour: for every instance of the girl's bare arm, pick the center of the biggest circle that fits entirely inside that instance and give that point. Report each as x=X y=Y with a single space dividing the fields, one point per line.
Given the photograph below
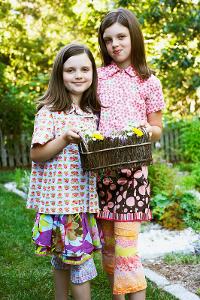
x=153 y=125
x=40 y=153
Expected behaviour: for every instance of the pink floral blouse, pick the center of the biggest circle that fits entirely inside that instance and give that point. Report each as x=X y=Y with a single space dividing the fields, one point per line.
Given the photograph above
x=59 y=185
x=127 y=97
x=125 y=195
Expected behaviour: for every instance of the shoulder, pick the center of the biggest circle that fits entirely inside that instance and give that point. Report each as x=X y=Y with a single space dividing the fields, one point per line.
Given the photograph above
x=153 y=79
x=102 y=72
x=151 y=82
x=44 y=109
x=106 y=72
x=45 y=112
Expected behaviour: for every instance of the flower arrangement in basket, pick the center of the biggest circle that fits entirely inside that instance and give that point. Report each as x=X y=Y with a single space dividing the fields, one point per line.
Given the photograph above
x=129 y=148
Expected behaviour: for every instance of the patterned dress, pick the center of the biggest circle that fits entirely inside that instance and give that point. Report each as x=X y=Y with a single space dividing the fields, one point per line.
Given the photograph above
x=59 y=185
x=125 y=195
x=63 y=194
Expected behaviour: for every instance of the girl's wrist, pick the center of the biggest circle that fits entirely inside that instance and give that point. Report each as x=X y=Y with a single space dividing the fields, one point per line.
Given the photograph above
x=66 y=139
x=156 y=133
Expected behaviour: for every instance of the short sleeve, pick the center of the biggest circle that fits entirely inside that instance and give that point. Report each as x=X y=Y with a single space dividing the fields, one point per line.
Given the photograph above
x=43 y=127
x=155 y=99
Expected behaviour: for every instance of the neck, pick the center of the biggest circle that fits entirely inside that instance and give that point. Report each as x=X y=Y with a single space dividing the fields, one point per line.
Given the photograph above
x=77 y=100
x=122 y=65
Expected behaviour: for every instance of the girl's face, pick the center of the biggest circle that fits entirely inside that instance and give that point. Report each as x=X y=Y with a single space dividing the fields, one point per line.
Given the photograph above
x=77 y=75
x=118 y=43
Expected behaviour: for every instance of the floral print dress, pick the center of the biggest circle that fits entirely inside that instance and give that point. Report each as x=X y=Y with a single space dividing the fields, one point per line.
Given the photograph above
x=125 y=195
x=65 y=196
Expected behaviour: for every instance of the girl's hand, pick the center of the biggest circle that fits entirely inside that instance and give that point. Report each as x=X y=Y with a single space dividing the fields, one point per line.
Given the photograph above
x=153 y=125
x=40 y=153
x=148 y=127
x=72 y=136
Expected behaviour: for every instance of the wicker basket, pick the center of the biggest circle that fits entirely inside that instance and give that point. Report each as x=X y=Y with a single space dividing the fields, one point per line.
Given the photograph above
x=116 y=153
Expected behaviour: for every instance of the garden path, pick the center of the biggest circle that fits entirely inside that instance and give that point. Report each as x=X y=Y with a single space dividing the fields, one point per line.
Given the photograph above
x=156 y=241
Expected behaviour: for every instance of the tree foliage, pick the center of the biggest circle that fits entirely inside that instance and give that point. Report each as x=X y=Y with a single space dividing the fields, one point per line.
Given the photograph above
x=33 y=31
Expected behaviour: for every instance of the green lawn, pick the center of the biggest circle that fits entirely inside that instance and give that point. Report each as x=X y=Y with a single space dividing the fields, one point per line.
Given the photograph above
x=27 y=276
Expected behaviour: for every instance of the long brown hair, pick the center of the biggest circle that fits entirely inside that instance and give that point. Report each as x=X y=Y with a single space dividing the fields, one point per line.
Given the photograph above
x=57 y=96
x=138 y=56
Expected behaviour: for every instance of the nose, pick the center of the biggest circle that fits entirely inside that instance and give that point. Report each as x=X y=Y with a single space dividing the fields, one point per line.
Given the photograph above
x=78 y=74
x=115 y=43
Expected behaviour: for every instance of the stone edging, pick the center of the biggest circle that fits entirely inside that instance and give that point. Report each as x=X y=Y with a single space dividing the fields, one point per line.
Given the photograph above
x=175 y=289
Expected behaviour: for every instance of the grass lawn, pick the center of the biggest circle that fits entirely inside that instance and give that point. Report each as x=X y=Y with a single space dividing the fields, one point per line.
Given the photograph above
x=25 y=276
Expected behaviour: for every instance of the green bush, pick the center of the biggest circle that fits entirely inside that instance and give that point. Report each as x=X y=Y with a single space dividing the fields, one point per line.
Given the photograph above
x=173 y=204
x=196 y=173
x=177 y=210
x=158 y=205
x=187 y=134
x=190 y=132
x=22 y=178
x=190 y=180
x=161 y=176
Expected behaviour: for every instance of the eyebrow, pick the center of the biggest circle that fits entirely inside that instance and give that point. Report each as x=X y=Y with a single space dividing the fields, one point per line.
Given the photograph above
x=70 y=67
x=116 y=34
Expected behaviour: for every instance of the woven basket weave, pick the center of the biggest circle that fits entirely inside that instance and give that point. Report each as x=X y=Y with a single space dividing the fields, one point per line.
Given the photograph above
x=116 y=153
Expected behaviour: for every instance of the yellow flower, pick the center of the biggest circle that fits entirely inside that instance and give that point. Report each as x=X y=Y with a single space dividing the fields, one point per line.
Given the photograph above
x=97 y=136
x=138 y=132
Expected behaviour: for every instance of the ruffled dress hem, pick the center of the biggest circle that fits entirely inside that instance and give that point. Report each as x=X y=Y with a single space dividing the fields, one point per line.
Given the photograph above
x=72 y=238
x=128 y=217
x=67 y=260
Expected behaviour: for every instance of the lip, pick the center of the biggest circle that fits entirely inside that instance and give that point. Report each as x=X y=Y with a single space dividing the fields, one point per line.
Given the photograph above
x=78 y=83
x=117 y=51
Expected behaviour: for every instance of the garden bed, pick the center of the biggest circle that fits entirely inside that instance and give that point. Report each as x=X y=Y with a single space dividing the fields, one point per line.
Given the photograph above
x=185 y=274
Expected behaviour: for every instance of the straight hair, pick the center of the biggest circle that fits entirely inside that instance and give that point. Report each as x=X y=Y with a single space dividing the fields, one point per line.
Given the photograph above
x=138 y=55
x=57 y=96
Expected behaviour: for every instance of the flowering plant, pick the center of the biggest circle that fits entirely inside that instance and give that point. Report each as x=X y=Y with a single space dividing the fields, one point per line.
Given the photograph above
x=97 y=136
x=92 y=135
x=131 y=128
x=128 y=130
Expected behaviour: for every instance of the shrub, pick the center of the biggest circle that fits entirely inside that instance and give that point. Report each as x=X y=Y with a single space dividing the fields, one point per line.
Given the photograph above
x=22 y=178
x=191 y=143
x=158 y=205
x=196 y=173
x=177 y=210
x=191 y=179
x=161 y=176
x=172 y=218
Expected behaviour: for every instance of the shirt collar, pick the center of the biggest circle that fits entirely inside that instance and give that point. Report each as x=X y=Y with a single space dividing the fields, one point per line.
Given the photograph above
x=112 y=69
x=75 y=109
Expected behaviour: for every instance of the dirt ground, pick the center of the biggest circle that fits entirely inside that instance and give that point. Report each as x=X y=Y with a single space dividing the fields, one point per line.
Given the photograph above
x=187 y=275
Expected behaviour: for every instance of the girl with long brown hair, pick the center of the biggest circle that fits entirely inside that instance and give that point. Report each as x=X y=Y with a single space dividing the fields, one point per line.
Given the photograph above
x=129 y=92
x=65 y=196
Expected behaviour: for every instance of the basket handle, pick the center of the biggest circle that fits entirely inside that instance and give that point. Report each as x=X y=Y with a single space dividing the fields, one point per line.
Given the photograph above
x=144 y=130
x=83 y=141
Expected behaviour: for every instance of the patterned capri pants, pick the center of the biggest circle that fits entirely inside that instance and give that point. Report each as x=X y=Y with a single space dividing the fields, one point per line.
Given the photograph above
x=79 y=273
x=120 y=256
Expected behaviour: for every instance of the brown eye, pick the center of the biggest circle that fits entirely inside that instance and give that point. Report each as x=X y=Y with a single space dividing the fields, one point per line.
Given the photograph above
x=85 y=69
x=107 y=41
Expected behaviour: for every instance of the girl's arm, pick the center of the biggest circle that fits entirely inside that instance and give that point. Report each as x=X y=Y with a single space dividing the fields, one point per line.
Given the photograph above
x=153 y=125
x=40 y=153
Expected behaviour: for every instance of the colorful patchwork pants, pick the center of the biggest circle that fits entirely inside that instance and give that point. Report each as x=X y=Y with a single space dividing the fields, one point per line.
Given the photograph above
x=120 y=256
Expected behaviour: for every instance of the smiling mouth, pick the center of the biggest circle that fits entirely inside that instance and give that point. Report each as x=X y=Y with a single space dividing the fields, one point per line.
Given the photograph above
x=117 y=51
x=78 y=83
